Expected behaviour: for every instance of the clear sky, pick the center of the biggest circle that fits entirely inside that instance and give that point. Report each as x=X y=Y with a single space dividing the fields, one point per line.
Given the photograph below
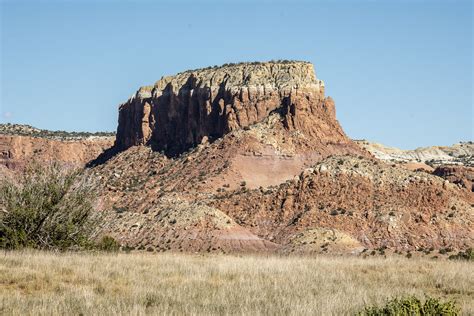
x=401 y=72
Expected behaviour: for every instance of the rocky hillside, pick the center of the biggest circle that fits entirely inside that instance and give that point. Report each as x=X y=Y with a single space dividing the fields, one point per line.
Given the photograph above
x=22 y=144
x=371 y=204
x=250 y=157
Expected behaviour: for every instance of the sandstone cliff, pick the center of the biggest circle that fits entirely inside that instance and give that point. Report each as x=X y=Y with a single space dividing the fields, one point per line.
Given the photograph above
x=180 y=112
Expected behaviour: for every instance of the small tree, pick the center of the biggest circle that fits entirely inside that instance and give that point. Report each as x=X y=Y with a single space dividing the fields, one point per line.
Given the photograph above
x=46 y=207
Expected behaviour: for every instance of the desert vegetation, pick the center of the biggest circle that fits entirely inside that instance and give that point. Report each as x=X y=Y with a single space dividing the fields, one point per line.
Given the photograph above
x=413 y=306
x=46 y=207
x=33 y=282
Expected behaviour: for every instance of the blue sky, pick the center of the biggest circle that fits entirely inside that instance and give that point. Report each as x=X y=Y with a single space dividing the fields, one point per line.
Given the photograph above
x=401 y=72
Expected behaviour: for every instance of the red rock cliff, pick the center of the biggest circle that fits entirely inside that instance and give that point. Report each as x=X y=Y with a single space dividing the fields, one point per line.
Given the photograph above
x=177 y=112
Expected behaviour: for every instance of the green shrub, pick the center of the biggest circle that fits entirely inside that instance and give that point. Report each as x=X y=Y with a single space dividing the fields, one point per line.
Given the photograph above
x=412 y=306
x=463 y=255
x=46 y=207
x=107 y=243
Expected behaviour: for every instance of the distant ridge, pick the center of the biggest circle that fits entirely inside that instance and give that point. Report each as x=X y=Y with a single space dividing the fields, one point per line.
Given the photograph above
x=28 y=130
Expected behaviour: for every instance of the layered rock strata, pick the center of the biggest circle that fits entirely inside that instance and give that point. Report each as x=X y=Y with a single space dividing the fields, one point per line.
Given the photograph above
x=180 y=112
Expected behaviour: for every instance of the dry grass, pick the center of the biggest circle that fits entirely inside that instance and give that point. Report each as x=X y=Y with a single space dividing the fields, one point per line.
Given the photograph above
x=123 y=284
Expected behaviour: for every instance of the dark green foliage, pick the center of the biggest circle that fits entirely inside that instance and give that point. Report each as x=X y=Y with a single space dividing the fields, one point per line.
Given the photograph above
x=47 y=207
x=128 y=248
x=463 y=255
x=412 y=306
x=443 y=251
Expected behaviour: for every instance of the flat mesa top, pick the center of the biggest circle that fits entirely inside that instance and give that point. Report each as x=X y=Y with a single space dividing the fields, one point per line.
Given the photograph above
x=249 y=65
x=277 y=74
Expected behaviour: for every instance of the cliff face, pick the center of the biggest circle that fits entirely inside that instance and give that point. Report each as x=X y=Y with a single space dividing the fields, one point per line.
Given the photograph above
x=178 y=112
x=17 y=151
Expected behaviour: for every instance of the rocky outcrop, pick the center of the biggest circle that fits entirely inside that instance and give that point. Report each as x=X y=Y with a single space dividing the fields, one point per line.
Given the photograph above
x=463 y=176
x=179 y=112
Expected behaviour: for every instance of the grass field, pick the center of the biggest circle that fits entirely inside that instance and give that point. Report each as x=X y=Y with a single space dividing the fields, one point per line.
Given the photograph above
x=140 y=283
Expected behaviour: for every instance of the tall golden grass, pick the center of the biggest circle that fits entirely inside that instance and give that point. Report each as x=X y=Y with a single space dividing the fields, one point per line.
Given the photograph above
x=43 y=283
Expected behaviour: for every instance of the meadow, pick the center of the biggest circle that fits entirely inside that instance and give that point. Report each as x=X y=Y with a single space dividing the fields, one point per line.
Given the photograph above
x=46 y=283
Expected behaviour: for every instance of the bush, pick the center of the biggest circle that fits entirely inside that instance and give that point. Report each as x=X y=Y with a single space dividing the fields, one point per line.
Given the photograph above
x=107 y=243
x=413 y=306
x=46 y=207
x=463 y=255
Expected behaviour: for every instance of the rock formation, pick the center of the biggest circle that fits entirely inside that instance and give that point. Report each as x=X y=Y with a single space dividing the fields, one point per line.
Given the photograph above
x=463 y=176
x=22 y=144
x=250 y=157
x=179 y=112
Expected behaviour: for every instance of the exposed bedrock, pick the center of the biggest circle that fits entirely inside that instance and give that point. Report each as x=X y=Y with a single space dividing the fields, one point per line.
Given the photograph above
x=178 y=112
